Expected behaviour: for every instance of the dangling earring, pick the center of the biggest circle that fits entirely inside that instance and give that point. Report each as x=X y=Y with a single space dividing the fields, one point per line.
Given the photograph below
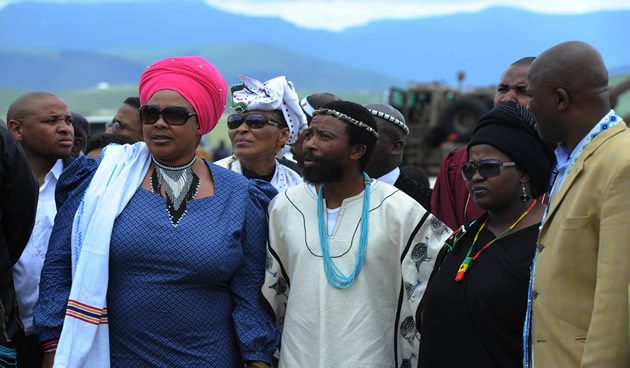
x=524 y=196
x=279 y=154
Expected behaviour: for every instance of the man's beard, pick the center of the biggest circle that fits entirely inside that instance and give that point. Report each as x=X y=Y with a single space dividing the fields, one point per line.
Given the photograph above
x=327 y=171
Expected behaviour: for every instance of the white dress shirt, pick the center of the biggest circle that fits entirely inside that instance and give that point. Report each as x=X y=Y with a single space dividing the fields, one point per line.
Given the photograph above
x=27 y=270
x=391 y=177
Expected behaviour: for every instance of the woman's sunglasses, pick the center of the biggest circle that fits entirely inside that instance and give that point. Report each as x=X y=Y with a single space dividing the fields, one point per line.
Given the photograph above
x=254 y=121
x=173 y=115
x=487 y=168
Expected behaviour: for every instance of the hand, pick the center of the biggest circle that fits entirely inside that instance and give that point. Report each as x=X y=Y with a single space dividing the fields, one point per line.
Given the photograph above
x=49 y=359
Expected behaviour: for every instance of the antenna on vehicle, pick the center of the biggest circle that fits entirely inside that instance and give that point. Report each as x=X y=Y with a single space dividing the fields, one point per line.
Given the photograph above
x=461 y=75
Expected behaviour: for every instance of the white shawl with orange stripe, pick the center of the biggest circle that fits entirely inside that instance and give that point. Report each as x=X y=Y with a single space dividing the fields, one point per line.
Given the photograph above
x=84 y=340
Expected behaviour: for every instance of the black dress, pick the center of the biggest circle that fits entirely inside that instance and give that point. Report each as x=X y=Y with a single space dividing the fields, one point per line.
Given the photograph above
x=478 y=322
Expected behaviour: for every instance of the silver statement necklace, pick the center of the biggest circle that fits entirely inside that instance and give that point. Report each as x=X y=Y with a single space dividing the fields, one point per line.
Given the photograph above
x=180 y=185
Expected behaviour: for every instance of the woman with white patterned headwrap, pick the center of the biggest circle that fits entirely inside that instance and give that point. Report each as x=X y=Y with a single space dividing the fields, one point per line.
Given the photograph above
x=268 y=116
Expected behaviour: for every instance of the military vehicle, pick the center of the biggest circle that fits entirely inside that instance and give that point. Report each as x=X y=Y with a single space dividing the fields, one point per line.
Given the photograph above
x=441 y=118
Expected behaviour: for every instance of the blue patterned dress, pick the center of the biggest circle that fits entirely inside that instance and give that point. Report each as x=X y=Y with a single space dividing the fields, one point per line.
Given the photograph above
x=184 y=296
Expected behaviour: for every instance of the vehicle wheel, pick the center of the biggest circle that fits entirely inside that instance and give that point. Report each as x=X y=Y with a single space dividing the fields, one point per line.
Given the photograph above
x=461 y=116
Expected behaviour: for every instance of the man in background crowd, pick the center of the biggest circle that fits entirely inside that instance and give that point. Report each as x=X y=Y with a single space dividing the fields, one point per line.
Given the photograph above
x=388 y=154
x=220 y=152
x=127 y=120
x=96 y=143
x=309 y=104
x=450 y=200
x=81 y=131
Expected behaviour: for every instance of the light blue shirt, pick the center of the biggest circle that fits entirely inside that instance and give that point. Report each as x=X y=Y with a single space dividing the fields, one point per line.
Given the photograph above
x=563 y=158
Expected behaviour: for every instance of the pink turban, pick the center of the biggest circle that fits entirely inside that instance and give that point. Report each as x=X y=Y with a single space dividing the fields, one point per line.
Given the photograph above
x=194 y=78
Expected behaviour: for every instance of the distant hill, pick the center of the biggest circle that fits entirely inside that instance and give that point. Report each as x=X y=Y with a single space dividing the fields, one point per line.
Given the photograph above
x=424 y=49
x=72 y=69
x=65 y=70
x=265 y=61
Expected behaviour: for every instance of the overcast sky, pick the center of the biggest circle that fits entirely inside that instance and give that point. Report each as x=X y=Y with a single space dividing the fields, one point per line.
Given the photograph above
x=340 y=14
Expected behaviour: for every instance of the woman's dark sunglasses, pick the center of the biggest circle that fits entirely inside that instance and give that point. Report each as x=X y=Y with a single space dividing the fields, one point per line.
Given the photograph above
x=487 y=168
x=254 y=121
x=173 y=115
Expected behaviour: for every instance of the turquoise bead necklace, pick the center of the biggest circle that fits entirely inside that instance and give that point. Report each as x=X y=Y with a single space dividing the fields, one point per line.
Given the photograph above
x=335 y=276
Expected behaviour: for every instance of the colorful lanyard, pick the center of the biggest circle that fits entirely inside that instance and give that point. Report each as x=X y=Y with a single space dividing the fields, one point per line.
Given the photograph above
x=469 y=260
x=463 y=230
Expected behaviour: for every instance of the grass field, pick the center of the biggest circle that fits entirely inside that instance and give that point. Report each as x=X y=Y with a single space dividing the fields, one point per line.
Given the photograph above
x=105 y=102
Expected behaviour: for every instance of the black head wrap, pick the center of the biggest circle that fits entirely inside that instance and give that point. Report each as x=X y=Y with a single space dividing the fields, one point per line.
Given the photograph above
x=508 y=128
x=81 y=126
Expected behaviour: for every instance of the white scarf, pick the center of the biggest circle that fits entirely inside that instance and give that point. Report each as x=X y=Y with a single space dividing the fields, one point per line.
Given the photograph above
x=283 y=178
x=275 y=94
x=84 y=340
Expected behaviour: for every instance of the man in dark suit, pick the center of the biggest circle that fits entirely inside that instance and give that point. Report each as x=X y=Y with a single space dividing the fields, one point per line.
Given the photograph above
x=388 y=154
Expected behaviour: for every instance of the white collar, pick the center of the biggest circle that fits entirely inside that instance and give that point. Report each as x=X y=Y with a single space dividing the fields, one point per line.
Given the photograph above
x=53 y=175
x=57 y=169
x=391 y=177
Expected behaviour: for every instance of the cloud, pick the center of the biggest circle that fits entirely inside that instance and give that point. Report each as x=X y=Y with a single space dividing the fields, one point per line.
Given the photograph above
x=337 y=15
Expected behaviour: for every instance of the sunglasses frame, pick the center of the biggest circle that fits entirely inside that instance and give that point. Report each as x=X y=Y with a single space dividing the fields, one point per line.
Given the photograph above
x=113 y=124
x=161 y=113
x=268 y=120
x=475 y=167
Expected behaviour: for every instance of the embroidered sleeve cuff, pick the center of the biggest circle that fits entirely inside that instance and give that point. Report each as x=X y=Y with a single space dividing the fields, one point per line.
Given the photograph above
x=50 y=345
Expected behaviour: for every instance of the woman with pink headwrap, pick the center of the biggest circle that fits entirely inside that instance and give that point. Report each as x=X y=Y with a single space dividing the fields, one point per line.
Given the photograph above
x=157 y=256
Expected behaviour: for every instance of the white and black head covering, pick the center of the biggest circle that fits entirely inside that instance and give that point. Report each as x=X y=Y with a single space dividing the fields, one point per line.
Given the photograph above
x=275 y=94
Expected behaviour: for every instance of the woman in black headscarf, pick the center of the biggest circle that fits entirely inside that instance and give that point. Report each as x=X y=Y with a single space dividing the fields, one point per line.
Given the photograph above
x=474 y=307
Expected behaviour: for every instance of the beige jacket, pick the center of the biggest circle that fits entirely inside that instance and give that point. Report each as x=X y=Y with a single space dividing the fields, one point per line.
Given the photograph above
x=580 y=291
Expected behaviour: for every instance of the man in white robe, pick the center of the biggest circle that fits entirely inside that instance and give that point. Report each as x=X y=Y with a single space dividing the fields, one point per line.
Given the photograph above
x=363 y=314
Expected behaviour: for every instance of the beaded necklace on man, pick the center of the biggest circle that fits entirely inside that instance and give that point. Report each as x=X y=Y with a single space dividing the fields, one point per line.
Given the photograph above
x=335 y=276
x=180 y=185
x=467 y=263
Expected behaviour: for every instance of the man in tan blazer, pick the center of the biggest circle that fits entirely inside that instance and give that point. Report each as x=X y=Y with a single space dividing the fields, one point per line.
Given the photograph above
x=579 y=296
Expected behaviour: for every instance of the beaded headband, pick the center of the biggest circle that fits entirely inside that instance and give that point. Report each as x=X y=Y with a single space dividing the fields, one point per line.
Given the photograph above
x=306 y=106
x=390 y=118
x=347 y=118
